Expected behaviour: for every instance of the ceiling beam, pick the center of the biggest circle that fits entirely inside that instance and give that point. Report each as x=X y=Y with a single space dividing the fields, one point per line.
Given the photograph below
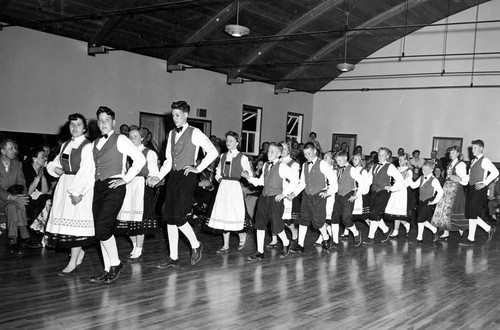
x=339 y=43
x=213 y=24
x=303 y=20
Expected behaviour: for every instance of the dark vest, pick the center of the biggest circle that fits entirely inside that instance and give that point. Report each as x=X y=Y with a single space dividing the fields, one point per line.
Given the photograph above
x=381 y=179
x=108 y=160
x=144 y=170
x=71 y=165
x=315 y=180
x=183 y=151
x=427 y=190
x=233 y=169
x=346 y=182
x=476 y=173
x=273 y=183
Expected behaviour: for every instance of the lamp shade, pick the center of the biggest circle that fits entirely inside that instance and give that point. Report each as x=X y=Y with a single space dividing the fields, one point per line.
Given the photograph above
x=236 y=30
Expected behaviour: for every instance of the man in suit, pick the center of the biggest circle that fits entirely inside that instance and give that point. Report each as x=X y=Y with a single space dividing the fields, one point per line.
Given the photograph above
x=13 y=201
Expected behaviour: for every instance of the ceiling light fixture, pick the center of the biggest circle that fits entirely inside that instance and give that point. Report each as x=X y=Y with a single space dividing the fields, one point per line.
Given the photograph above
x=237 y=30
x=345 y=67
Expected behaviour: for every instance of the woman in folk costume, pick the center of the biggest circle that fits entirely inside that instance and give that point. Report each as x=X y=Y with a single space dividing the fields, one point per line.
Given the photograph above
x=449 y=213
x=229 y=213
x=71 y=224
x=399 y=205
x=137 y=216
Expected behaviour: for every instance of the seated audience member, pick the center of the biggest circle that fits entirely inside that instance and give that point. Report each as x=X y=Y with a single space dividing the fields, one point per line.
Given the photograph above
x=312 y=139
x=372 y=160
x=494 y=198
x=263 y=151
x=124 y=129
x=258 y=166
x=358 y=150
x=13 y=196
x=438 y=173
x=435 y=160
x=345 y=148
x=417 y=163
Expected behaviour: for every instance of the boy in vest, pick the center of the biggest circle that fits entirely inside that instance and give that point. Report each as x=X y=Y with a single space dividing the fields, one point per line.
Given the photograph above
x=379 y=178
x=110 y=153
x=347 y=193
x=315 y=173
x=270 y=204
x=481 y=173
x=430 y=192
x=183 y=144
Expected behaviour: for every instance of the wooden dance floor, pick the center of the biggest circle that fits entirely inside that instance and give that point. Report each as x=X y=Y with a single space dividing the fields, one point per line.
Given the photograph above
x=394 y=285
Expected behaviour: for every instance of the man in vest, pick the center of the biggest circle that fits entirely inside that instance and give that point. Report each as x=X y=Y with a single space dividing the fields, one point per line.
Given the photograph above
x=380 y=180
x=183 y=144
x=481 y=173
x=350 y=186
x=313 y=180
x=110 y=153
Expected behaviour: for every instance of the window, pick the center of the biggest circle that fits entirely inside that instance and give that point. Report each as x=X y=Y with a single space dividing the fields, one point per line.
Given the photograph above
x=294 y=126
x=250 y=130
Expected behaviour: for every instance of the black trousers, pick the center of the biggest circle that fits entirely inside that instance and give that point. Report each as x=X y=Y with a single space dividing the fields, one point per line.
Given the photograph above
x=179 y=197
x=105 y=208
x=343 y=209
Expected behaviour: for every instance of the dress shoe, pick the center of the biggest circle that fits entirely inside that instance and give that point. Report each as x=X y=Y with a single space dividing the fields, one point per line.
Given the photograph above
x=387 y=236
x=297 y=249
x=255 y=256
x=241 y=245
x=417 y=242
x=490 y=233
x=34 y=245
x=344 y=236
x=272 y=246
x=134 y=259
x=99 y=278
x=369 y=241
x=71 y=272
x=318 y=244
x=114 y=272
x=325 y=244
x=285 y=251
x=435 y=238
x=357 y=240
x=170 y=263
x=393 y=235
x=467 y=242
x=222 y=251
x=196 y=254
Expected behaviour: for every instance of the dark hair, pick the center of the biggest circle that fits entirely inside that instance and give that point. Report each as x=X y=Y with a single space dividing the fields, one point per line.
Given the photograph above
x=456 y=148
x=106 y=110
x=309 y=145
x=143 y=132
x=430 y=164
x=415 y=151
x=4 y=142
x=76 y=116
x=341 y=153
x=33 y=153
x=312 y=134
x=478 y=142
x=181 y=105
x=235 y=135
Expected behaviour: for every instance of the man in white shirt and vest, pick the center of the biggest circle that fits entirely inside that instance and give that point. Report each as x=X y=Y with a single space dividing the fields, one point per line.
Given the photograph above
x=481 y=173
x=183 y=144
x=110 y=153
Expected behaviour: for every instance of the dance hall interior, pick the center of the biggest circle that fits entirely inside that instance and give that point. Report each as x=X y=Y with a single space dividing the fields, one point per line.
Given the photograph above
x=324 y=75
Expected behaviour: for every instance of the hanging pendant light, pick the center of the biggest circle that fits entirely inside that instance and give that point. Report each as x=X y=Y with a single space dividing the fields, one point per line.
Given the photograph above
x=237 y=30
x=345 y=67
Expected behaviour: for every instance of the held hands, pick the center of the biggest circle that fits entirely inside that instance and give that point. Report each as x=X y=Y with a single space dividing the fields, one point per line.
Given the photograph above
x=279 y=197
x=388 y=188
x=245 y=175
x=58 y=171
x=189 y=169
x=116 y=183
x=479 y=185
x=20 y=199
x=152 y=181
x=291 y=196
x=75 y=199
x=353 y=198
x=324 y=194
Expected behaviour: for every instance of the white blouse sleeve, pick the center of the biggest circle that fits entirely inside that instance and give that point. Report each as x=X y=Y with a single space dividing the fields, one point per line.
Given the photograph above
x=152 y=162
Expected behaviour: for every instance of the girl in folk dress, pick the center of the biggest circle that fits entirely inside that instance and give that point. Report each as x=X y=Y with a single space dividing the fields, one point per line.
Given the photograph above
x=71 y=224
x=398 y=207
x=137 y=216
x=228 y=212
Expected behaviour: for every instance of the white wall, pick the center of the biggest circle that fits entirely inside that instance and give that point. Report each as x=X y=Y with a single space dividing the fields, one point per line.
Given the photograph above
x=411 y=118
x=45 y=77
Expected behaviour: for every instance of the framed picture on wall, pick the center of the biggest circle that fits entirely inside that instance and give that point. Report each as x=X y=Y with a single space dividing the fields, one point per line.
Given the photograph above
x=339 y=139
x=441 y=144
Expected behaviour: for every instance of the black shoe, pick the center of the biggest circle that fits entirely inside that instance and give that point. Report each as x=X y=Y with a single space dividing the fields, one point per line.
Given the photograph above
x=255 y=256
x=138 y=259
x=357 y=240
x=325 y=244
x=387 y=236
x=170 y=263
x=99 y=278
x=344 y=236
x=297 y=249
x=334 y=245
x=34 y=245
x=72 y=272
x=490 y=233
x=467 y=242
x=196 y=254
x=417 y=242
x=318 y=244
x=435 y=238
x=272 y=246
x=114 y=272
x=369 y=241
x=285 y=251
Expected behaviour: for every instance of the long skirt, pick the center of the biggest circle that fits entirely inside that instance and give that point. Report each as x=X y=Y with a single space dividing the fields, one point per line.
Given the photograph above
x=70 y=225
x=361 y=208
x=449 y=213
x=291 y=214
x=228 y=213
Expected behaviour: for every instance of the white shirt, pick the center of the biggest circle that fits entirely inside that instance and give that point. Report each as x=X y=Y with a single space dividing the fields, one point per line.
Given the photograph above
x=365 y=178
x=285 y=173
x=393 y=172
x=200 y=140
x=127 y=148
x=435 y=184
x=328 y=172
x=461 y=170
x=490 y=170
x=245 y=164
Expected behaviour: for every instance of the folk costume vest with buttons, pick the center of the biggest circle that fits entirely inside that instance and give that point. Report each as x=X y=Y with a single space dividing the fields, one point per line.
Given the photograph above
x=71 y=165
x=183 y=151
x=233 y=169
x=108 y=160
x=381 y=179
x=273 y=183
x=346 y=182
x=315 y=180
x=144 y=170
x=476 y=172
x=426 y=190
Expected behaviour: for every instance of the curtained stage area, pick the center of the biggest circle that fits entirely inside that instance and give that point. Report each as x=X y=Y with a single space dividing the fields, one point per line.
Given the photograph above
x=393 y=285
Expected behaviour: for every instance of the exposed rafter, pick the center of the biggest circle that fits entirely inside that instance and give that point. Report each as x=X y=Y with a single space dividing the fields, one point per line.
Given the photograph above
x=305 y=19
